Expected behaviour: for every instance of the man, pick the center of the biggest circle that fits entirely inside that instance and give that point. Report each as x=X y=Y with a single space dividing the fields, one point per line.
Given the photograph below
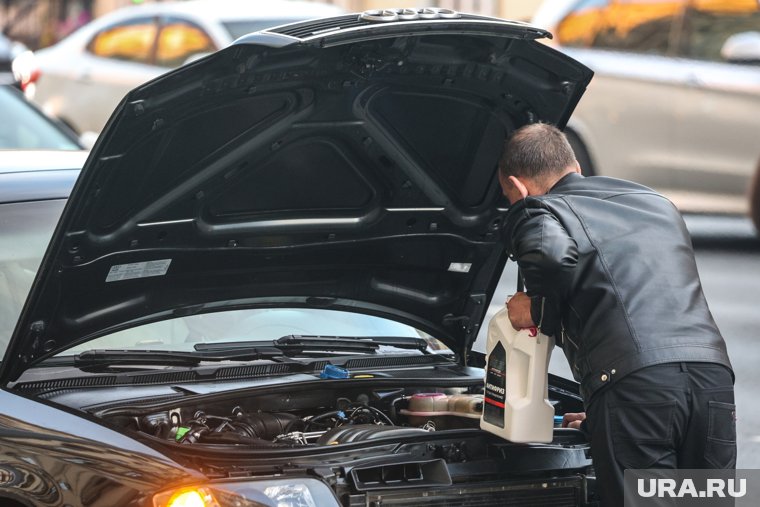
x=610 y=273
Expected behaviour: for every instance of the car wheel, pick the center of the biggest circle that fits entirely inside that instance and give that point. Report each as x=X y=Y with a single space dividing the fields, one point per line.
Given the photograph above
x=754 y=198
x=581 y=153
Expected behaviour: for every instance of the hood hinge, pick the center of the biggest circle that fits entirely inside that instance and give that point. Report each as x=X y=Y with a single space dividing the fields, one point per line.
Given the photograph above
x=36 y=329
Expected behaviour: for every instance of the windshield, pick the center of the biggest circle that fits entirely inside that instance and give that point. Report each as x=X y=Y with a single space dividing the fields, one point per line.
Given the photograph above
x=24 y=128
x=25 y=230
x=182 y=334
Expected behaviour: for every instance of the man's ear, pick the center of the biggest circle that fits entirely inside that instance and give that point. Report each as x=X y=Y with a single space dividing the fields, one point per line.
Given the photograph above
x=520 y=187
x=578 y=167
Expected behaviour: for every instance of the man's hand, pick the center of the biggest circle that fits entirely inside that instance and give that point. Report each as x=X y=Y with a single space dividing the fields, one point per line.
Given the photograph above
x=519 y=311
x=573 y=420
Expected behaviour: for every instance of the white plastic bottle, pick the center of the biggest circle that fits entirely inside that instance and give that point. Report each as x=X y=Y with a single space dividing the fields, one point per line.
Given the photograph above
x=516 y=405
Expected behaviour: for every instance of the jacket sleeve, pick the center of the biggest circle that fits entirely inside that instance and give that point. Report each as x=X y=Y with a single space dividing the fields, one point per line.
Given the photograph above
x=547 y=257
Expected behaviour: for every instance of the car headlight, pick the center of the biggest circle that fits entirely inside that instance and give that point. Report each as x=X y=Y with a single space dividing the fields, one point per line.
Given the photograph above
x=296 y=492
x=186 y=497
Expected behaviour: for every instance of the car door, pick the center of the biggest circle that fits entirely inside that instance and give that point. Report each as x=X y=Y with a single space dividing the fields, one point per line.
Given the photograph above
x=626 y=117
x=718 y=107
x=115 y=60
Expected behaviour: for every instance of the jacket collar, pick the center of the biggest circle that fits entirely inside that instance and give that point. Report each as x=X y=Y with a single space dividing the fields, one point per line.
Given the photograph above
x=519 y=209
x=565 y=181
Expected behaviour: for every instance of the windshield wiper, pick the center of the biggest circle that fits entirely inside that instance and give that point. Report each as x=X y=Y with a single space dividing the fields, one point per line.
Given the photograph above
x=168 y=357
x=291 y=344
x=399 y=342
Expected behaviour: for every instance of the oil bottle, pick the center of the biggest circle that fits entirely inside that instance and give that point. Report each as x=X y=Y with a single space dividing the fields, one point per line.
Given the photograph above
x=516 y=405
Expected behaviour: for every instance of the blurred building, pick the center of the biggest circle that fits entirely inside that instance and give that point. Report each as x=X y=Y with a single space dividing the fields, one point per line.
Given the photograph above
x=510 y=9
x=39 y=23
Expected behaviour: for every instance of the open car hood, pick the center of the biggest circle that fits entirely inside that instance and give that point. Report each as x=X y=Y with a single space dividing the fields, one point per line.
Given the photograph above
x=341 y=164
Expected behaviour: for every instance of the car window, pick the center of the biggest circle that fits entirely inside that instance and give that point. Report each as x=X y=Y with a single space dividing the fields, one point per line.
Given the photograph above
x=178 y=40
x=241 y=27
x=708 y=24
x=252 y=325
x=25 y=230
x=131 y=40
x=24 y=128
x=580 y=26
x=640 y=26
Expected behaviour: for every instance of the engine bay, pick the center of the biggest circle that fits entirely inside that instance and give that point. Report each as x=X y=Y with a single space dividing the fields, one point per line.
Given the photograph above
x=364 y=416
x=389 y=436
x=314 y=414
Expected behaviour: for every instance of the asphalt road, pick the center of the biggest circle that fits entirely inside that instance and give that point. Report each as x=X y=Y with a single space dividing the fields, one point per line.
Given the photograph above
x=728 y=257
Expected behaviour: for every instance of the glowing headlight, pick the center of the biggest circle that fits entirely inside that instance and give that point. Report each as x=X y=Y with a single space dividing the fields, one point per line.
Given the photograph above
x=296 y=492
x=186 y=497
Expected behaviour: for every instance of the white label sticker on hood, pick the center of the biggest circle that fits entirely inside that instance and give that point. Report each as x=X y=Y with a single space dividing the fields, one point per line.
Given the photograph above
x=460 y=267
x=138 y=270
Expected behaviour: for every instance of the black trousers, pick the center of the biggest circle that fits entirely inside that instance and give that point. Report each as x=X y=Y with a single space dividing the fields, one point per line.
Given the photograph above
x=674 y=415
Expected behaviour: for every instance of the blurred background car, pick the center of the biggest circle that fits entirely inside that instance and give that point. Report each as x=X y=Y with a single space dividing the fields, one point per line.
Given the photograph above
x=24 y=127
x=82 y=78
x=39 y=162
x=34 y=185
x=675 y=100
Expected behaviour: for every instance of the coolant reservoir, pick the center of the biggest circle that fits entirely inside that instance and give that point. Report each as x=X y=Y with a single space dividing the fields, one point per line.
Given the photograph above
x=516 y=405
x=443 y=410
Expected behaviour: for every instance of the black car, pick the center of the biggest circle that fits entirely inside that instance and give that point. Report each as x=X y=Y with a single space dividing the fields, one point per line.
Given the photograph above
x=272 y=261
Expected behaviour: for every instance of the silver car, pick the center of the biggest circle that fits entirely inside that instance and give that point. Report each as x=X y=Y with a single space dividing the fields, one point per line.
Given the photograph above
x=675 y=100
x=81 y=79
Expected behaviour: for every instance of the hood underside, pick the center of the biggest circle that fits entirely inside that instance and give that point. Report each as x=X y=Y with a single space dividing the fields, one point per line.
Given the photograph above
x=355 y=170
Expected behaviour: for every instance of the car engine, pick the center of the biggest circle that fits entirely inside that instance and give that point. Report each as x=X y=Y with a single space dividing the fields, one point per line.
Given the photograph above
x=345 y=421
x=386 y=436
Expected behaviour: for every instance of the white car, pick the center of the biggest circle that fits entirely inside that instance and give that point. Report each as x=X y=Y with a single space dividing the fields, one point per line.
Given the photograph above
x=675 y=99
x=81 y=79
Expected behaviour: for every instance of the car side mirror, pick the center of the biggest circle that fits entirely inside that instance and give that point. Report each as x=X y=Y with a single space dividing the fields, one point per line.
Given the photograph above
x=743 y=47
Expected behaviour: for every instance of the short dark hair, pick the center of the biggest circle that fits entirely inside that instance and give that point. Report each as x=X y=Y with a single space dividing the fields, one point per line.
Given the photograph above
x=536 y=151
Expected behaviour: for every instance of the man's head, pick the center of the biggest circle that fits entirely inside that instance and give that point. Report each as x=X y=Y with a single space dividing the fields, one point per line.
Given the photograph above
x=535 y=157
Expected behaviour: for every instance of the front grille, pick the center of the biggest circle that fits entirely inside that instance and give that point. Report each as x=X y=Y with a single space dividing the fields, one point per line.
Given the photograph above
x=565 y=494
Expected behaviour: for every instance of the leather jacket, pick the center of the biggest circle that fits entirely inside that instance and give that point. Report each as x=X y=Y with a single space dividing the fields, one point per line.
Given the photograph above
x=611 y=273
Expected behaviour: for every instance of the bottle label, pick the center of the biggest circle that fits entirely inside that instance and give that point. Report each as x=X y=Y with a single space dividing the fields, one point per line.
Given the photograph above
x=496 y=386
